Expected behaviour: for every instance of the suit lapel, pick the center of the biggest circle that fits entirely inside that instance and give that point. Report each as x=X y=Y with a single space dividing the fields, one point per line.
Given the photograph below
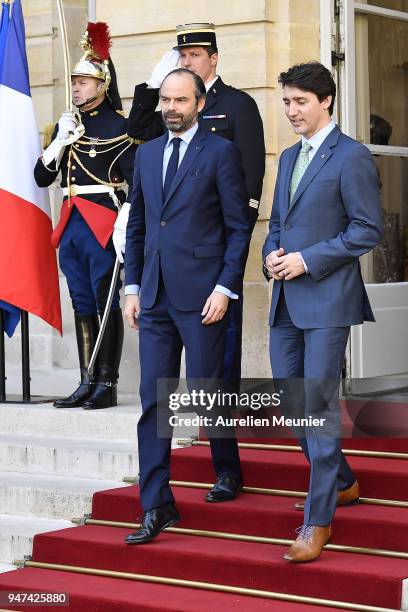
x=157 y=168
x=290 y=164
x=190 y=155
x=321 y=156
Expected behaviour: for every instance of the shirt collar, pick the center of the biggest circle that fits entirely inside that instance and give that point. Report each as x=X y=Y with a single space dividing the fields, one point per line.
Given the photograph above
x=210 y=84
x=316 y=140
x=186 y=137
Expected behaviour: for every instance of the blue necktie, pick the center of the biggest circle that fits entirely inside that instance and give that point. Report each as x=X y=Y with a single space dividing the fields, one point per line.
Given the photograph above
x=172 y=167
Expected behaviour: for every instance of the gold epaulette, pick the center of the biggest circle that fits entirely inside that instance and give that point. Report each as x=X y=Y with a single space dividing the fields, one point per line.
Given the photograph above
x=47 y=134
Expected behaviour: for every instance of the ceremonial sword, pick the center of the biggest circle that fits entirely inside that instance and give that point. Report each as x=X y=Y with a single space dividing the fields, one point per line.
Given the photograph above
x=68 y=103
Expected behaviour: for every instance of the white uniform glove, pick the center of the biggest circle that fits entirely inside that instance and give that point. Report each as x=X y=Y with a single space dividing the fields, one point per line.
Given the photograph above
x=69 y=130
x=119 y=233
x=167 y=63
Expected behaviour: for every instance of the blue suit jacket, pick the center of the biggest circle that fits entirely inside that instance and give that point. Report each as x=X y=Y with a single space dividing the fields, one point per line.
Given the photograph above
x=335 y=218
x=199 y=236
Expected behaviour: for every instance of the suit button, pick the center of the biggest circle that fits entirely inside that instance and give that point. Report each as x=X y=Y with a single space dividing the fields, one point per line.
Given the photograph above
x=213 y=129
x=162 y=223
x=287 y=226
x=156 y=252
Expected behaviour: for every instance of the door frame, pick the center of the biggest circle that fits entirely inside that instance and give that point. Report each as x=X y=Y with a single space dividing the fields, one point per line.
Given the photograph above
x=337 y=28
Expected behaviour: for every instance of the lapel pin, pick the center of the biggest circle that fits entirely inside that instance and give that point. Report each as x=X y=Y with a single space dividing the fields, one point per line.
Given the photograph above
x=323 y=155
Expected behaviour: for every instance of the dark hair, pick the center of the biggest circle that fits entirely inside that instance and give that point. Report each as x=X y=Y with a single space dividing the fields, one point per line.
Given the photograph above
x=311 y=76
x=380 y=130
x=200 y=91
x=211 y=50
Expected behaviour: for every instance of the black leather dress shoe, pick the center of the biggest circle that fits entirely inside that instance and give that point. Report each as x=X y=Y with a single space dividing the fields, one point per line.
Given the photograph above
x=153 y=522
x=225 y=489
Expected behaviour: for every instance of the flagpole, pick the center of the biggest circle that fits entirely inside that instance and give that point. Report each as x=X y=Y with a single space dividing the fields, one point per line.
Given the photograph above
x=2 y=359
x=65 y=50
x=25 y=356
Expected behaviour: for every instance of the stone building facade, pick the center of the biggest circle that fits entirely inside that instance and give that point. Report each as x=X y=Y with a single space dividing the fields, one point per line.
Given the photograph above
x=256 y=41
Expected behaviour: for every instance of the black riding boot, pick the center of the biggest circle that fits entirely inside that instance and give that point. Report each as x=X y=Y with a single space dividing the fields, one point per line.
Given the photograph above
x=86 y=327
x=104 y=393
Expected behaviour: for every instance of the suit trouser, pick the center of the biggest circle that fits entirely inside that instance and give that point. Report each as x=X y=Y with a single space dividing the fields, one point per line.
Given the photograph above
x=163 y=332
x=233 y=344
x=315 y=355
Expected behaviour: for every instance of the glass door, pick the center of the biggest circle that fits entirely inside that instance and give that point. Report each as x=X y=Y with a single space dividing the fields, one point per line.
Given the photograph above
x=373 y=88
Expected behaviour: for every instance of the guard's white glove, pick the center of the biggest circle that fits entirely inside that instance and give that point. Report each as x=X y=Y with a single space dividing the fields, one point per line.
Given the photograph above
x=69 y=130
x=167 y=63
x=119 y=233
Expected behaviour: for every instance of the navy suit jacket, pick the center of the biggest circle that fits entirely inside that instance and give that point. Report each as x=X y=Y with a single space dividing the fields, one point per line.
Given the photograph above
x=199 y=236
x=334 y=219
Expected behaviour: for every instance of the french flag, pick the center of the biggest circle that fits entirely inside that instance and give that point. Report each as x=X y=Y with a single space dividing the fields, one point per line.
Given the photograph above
x=28 y=267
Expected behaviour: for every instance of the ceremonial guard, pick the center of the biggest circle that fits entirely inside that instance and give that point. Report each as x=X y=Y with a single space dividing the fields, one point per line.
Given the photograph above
x=228 y=112
x=94 y=154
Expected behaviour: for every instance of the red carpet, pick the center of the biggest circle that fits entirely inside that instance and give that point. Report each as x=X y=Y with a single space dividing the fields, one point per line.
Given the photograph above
x=96 y=594
x=356 y=578
x=263 y=515
x=381 y=478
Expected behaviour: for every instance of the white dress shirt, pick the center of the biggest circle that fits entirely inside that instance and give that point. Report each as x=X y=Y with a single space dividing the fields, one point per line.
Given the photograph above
x=317 y=139
x=210 y=84
x=185 y=138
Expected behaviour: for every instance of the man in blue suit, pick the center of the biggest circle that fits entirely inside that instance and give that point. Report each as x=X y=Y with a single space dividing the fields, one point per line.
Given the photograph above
x=325 y=215
x=187 y=241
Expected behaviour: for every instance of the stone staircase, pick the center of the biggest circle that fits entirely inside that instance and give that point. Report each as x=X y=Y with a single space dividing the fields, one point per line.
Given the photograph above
x=52 y=461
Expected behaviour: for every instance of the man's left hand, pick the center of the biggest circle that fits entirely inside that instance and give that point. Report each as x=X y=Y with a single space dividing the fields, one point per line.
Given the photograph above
x=289 y=266
x=215 y=308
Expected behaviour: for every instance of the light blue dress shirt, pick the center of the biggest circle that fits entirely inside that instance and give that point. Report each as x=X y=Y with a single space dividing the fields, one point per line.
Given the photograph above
x=185 y=138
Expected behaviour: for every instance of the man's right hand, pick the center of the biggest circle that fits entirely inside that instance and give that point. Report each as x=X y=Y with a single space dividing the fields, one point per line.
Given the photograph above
x=132 y=310
x=167 y=63
x=272 y=260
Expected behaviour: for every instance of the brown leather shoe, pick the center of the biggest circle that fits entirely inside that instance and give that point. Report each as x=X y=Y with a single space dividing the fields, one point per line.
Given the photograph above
x=308 y=544
x=348 y=497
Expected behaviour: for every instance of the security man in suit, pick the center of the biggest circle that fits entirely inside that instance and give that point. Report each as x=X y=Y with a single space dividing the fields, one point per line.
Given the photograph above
x=325 y=215
x=228 y=112
x=187 y=243
x=95 y=156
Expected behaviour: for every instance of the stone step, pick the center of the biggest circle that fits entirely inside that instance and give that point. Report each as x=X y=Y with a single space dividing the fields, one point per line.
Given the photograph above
x=17 y=533
x=60 y=456
x=37 y=419
x=6 y=567
x=51 y=497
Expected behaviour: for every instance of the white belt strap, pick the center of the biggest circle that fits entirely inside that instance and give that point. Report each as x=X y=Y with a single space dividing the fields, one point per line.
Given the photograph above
x=83 y=189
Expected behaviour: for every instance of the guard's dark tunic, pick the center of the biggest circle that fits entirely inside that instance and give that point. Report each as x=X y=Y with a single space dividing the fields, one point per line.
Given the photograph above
x=83 y=233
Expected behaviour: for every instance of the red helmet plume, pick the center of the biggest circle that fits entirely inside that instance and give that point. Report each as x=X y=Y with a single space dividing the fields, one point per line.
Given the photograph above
x=100 y=39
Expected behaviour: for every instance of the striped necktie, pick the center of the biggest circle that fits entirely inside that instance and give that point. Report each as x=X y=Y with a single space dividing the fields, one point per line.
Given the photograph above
x=302 y=163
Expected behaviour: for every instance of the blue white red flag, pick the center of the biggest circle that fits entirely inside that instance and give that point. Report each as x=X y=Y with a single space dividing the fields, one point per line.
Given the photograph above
x=28 y=267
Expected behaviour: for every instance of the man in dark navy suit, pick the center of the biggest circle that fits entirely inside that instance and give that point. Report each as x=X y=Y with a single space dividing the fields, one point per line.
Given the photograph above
x=325 y=215
x=186 y=246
